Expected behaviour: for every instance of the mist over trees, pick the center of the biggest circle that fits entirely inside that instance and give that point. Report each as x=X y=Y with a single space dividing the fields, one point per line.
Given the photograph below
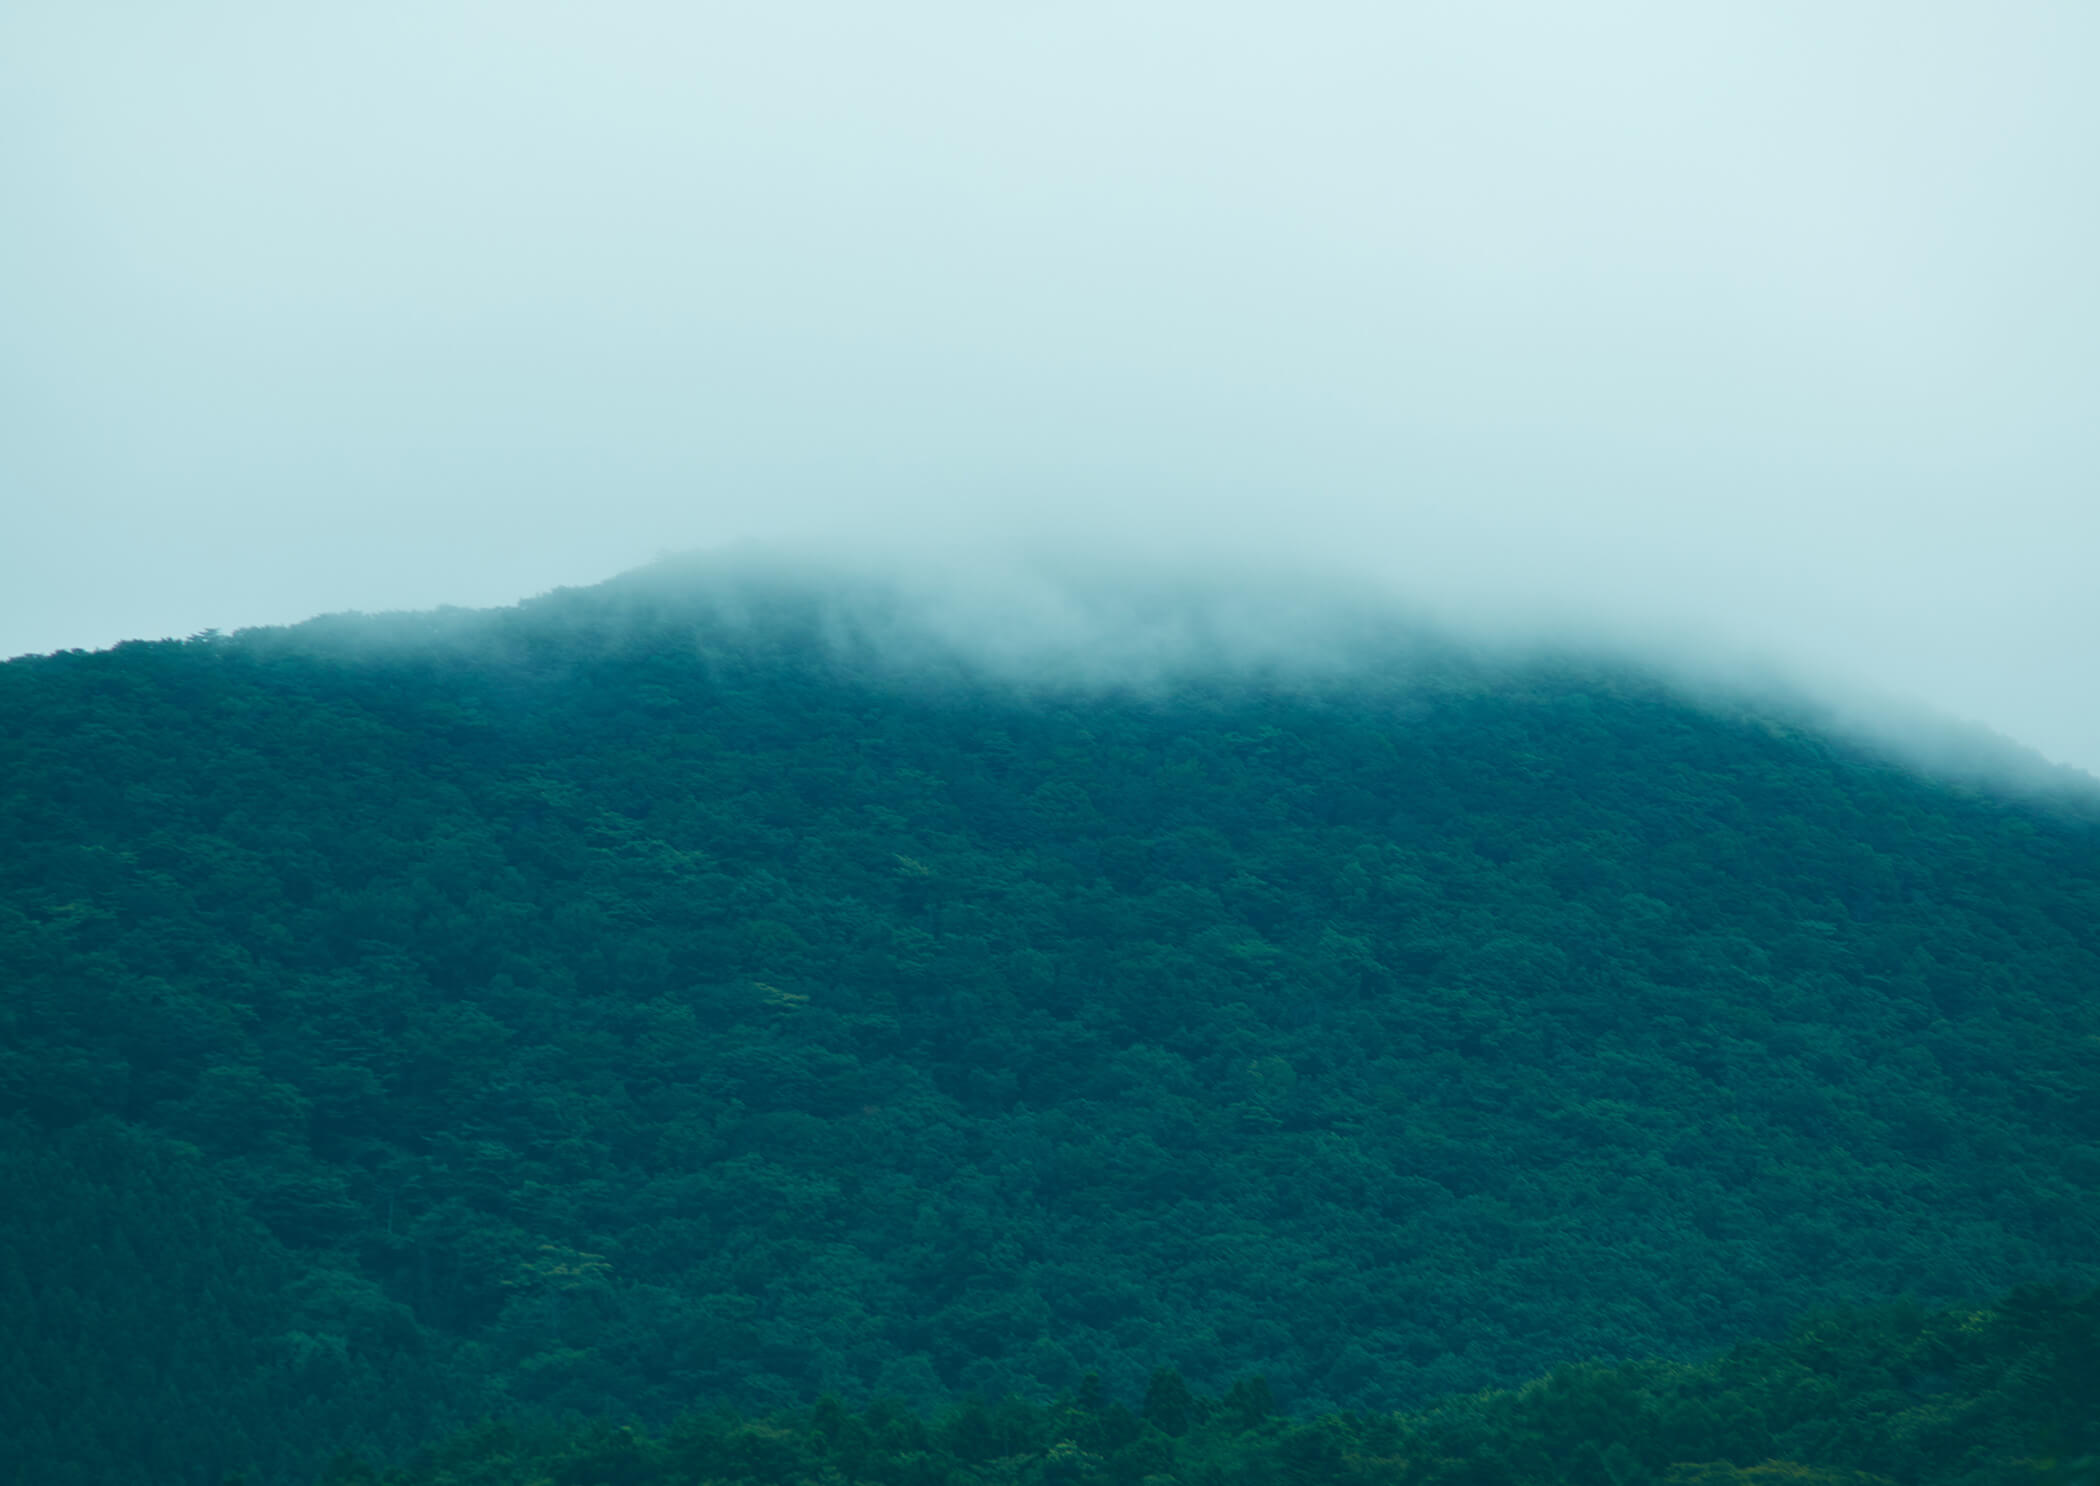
x=663 y=996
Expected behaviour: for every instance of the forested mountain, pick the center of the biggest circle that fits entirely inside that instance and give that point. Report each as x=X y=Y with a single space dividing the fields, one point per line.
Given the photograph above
x=705 y=990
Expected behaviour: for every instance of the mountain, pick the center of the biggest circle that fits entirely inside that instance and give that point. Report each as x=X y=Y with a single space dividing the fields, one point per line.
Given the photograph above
x=730 y=984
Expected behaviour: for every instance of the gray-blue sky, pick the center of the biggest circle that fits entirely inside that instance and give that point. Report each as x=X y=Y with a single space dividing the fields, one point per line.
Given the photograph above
x=1774 y=323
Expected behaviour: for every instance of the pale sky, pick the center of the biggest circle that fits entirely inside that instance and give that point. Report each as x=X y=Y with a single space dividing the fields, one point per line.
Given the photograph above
x=1778 y=323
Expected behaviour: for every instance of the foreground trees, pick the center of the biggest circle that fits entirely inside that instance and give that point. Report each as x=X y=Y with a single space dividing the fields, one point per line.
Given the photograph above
x=2006 y=1395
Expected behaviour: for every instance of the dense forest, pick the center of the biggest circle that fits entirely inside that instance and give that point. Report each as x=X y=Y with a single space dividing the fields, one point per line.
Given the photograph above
x=638 y=1002
x=1862 y=1398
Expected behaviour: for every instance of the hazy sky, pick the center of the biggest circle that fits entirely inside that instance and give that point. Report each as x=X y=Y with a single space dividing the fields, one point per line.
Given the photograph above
x=1774 y=322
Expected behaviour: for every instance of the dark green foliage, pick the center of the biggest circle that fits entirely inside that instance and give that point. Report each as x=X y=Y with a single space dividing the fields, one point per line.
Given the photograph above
x=593 y=1012
x=153 y=1327
x=1897 y=1396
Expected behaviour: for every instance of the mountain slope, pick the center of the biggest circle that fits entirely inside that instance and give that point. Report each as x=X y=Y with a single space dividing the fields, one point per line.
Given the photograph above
x=649 y=999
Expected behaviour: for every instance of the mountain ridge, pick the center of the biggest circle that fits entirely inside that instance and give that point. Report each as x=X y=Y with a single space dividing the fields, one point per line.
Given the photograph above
x=1063 y=624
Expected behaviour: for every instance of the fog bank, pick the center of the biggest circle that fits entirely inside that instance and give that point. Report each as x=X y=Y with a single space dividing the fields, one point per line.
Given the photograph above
x=1744 y=328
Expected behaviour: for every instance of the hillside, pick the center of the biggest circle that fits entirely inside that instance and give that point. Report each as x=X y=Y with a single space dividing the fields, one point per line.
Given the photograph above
x=641 y=998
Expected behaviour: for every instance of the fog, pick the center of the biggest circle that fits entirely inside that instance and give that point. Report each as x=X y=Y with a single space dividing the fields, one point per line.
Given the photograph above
x=1759 y=336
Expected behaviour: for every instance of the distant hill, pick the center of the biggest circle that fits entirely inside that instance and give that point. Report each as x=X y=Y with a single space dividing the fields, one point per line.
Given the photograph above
x=719 y=986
